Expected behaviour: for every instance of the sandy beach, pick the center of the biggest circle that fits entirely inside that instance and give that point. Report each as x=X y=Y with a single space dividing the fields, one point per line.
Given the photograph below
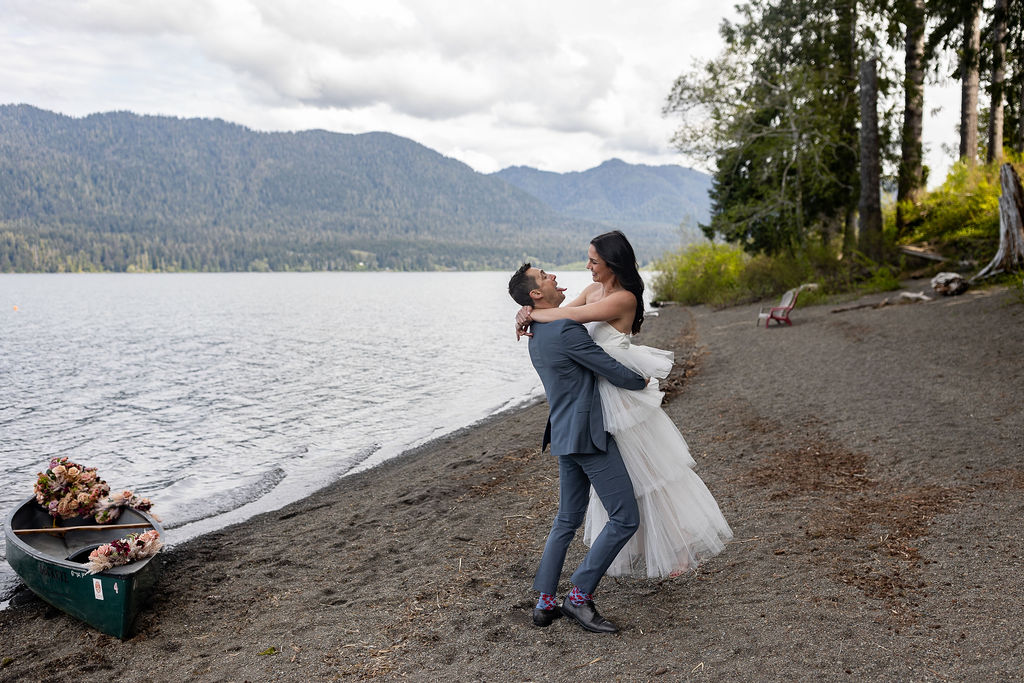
x=870 y=462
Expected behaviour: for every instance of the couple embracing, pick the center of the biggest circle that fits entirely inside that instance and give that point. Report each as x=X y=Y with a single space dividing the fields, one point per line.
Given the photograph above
x=623 y=466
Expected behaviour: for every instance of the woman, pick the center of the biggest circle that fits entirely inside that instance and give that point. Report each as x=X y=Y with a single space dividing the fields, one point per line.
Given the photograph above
x=681 y=524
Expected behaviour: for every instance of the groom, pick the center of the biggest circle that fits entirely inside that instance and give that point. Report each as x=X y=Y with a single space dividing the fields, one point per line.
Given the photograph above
x=566 y=358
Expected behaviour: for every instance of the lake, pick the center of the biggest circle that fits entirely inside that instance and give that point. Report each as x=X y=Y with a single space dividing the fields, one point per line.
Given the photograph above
x=223 y=395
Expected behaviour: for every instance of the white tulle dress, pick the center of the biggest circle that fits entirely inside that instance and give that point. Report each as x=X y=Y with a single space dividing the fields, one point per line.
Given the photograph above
x=680 y=523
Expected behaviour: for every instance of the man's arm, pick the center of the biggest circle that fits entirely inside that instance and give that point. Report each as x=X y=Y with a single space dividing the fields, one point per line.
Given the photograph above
x=585 y=351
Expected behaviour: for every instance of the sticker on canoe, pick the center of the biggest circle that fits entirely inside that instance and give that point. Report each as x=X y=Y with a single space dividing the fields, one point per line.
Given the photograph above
x=97 y=587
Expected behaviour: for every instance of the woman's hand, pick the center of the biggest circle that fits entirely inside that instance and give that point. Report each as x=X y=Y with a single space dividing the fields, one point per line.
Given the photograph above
x=523 y=321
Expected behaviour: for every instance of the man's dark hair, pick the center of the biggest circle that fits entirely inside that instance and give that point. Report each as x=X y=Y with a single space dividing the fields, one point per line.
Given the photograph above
x=521 y=284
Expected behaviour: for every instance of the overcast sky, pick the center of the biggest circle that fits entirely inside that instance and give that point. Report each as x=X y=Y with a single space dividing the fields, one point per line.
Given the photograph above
x=560 y=85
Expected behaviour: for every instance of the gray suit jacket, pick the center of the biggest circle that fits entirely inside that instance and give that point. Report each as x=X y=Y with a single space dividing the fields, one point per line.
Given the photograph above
x=566 y=359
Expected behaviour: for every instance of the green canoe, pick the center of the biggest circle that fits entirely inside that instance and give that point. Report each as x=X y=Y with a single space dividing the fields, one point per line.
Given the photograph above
x=55 y=566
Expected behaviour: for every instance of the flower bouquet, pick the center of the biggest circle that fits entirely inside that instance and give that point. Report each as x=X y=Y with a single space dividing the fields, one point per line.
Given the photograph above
x=109 y=508
x=67 y=489
x=124 y=550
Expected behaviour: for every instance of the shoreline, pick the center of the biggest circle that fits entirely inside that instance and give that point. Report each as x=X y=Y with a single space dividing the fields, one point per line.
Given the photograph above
x=357 y=469
x=16 y=587
x=868 y=462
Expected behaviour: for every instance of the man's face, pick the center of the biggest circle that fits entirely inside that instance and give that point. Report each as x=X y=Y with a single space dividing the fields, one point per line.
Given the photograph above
x=547 y=284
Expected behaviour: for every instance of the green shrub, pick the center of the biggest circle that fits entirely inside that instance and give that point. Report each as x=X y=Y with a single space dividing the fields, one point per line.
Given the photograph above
x=960 y=219
x=725 y=275
x=700 y=273
x=883 y=279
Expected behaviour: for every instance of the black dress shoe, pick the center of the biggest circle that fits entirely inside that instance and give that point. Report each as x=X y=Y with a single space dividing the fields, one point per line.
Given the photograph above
x=586 y=616
x=544 y=617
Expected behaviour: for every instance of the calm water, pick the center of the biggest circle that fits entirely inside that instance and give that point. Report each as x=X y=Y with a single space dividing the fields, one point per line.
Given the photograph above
x=223 y=395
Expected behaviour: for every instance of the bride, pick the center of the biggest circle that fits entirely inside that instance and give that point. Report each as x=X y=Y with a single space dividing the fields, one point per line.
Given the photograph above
x=681 y=524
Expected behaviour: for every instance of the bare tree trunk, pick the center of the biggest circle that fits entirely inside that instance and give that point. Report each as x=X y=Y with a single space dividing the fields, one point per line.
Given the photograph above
x=995 y=122
x=1020 y=123
x=1011 y=225
x=911 y=174
x=849 y=233
x=969 y=78
x=847 y=52
x=870 y=164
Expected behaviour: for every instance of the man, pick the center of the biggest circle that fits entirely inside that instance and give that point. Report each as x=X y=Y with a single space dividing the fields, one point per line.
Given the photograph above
x=566 y=358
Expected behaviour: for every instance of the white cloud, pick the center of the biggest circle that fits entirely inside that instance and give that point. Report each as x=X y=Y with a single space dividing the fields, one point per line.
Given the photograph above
x=557 y=85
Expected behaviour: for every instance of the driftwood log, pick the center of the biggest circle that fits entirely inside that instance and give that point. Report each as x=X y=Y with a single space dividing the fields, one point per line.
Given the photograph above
x=1011 y=226
x=903 y=298
x=920 y=252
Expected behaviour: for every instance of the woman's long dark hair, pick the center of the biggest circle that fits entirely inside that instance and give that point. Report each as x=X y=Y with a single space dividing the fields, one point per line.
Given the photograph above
x=618 y=253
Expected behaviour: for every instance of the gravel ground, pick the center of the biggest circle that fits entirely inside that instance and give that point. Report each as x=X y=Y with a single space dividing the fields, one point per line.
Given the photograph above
x=869 y=462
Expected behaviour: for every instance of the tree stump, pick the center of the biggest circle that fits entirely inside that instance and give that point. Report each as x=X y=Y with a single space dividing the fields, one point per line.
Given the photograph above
x=1011 y=226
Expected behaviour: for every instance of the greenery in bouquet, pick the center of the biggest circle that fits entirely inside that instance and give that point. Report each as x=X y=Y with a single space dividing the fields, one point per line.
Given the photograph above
x=67 y=489
x=122 y=551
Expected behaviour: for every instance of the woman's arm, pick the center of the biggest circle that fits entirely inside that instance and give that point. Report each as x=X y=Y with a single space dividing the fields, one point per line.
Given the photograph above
x=615 y=306
x=582 y=298
x=524 y=317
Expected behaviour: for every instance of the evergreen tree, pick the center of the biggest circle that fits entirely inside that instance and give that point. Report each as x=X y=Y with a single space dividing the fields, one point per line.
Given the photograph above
x=777 y=112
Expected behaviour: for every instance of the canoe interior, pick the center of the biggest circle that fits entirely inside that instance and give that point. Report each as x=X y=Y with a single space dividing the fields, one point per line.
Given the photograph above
x=62 y=546
x=54 y=567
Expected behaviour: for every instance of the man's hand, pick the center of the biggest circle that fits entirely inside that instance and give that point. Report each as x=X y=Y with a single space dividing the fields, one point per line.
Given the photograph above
x=523 y=321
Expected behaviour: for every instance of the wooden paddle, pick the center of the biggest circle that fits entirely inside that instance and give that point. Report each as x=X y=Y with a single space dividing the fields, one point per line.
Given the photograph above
x=89 y=527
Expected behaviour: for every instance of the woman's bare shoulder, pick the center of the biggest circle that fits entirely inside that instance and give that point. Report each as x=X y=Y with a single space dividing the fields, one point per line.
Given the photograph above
x=593 y=292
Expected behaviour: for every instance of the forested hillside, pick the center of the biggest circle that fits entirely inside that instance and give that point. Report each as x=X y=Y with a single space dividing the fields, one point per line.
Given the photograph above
x=120 y=192
x=657 y=206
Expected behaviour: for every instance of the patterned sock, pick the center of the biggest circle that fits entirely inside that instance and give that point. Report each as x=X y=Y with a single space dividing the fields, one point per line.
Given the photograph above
x=546 y=602
x=578 y=597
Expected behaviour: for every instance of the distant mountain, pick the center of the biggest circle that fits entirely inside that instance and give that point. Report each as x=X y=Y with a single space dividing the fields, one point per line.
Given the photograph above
x=118 y=191
x=656 y=206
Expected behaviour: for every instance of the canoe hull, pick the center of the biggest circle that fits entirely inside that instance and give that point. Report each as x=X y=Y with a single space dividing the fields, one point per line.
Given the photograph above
x=108 y=601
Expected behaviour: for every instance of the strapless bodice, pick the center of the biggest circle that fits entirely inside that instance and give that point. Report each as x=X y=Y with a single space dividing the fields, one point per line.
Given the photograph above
x=606 y=335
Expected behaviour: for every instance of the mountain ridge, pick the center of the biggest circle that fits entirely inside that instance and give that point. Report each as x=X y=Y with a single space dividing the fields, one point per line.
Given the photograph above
x=631 y=196
x=121 y=191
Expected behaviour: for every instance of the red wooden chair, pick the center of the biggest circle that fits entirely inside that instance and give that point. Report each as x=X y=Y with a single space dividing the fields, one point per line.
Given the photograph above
x=780 y=313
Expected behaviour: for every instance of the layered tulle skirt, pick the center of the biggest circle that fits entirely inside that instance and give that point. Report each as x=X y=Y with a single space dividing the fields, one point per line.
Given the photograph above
x=680 y=522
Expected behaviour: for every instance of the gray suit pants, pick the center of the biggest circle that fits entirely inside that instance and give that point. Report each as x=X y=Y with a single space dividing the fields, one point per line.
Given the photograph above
x=576 y=473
